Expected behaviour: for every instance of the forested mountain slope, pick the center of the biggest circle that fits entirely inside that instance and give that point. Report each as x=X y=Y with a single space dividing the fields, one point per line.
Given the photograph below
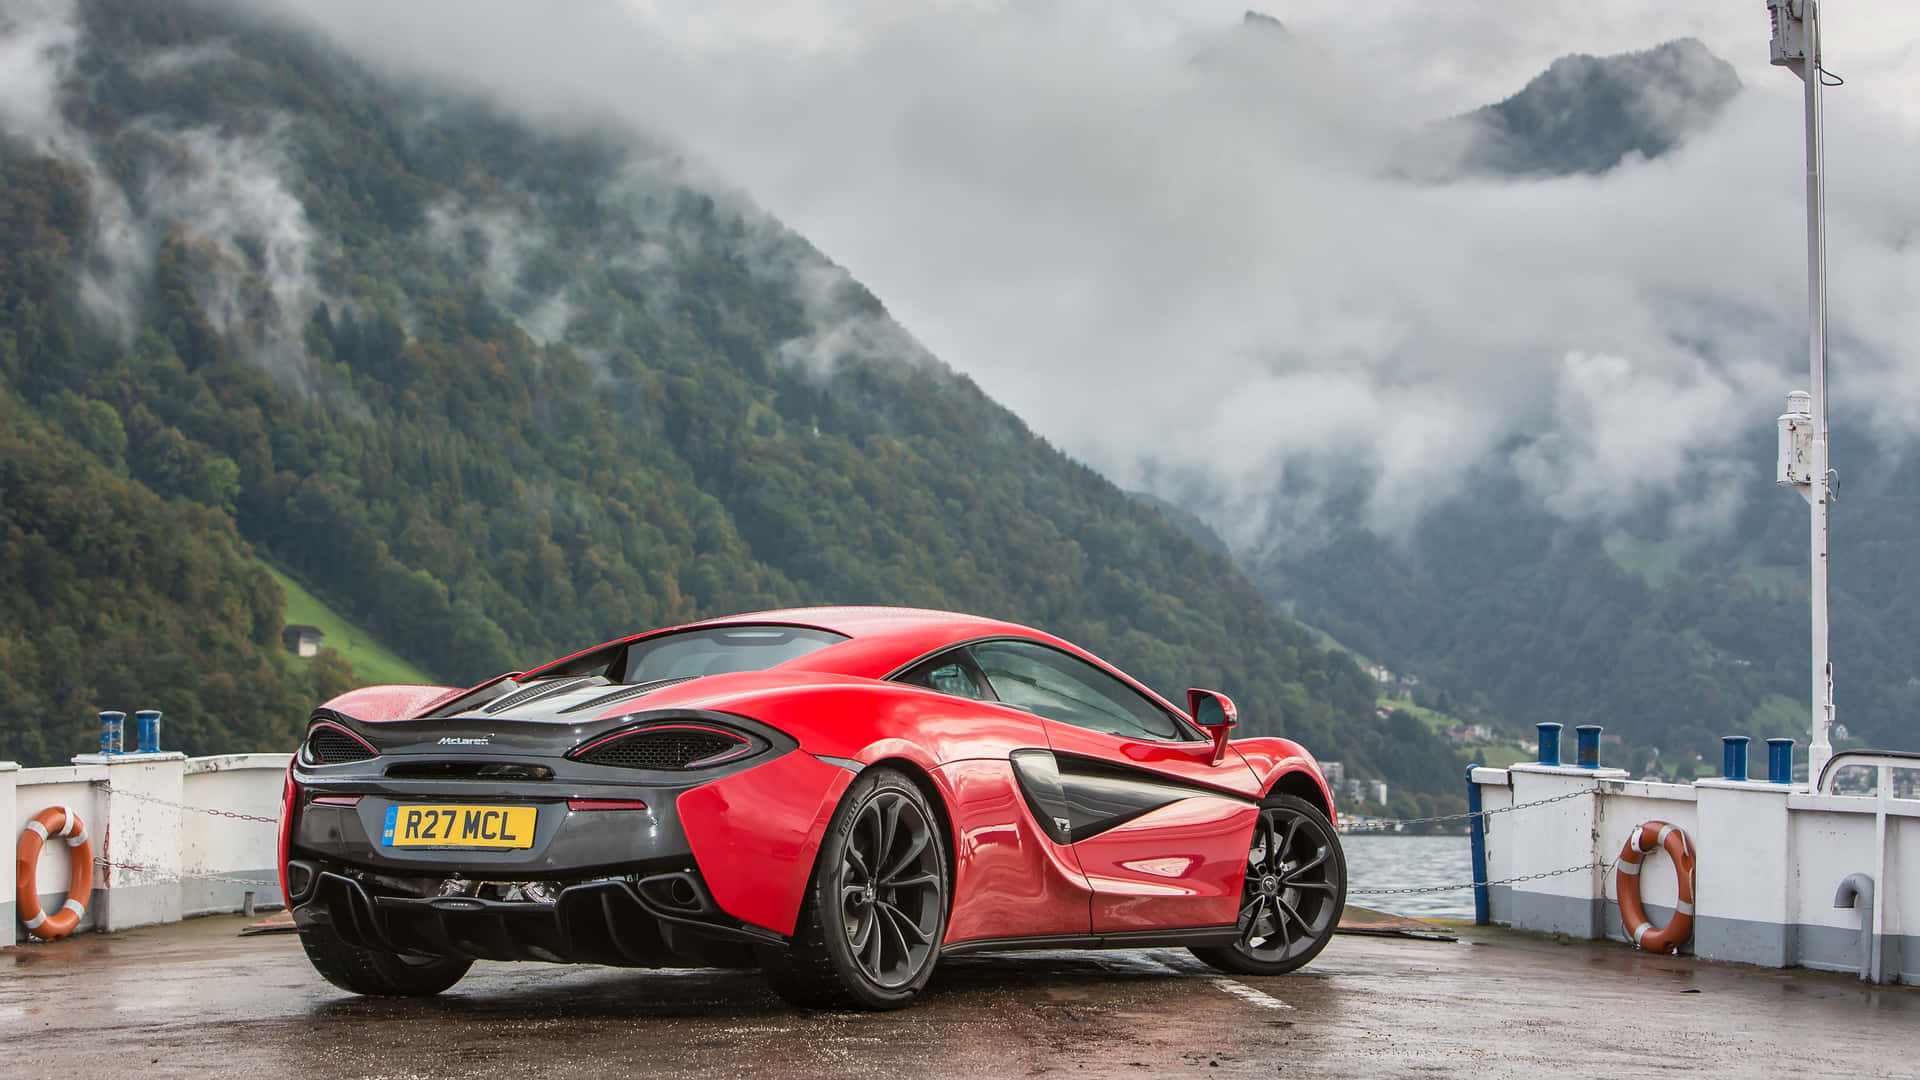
x=1671 y=638
x=497 y=394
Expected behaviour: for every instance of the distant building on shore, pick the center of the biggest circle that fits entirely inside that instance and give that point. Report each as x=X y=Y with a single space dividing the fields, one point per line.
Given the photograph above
x=1336 y=774
x=1367 y=790
x=301 y=640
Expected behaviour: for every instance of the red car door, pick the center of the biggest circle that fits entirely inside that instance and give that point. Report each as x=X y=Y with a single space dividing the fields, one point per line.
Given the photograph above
x=1161 y=833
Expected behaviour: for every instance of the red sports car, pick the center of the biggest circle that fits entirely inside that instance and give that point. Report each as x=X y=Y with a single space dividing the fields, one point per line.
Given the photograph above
x=838 y=796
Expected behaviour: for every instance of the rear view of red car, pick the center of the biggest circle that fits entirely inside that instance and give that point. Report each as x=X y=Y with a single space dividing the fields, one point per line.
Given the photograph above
x=837 y=796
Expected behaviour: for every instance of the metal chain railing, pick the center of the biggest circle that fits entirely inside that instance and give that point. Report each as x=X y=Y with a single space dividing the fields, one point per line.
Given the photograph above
x=163 y=877
x=1477 y=884
x=1392 y=823
x=108 y=787
x=1384 y=823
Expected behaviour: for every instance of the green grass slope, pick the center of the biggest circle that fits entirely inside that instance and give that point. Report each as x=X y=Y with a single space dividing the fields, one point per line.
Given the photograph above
x=373 y=663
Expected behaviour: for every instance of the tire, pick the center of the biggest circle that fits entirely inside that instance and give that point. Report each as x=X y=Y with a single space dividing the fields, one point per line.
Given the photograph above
x=380 y=974
x=875 y=910
x=1295 y=890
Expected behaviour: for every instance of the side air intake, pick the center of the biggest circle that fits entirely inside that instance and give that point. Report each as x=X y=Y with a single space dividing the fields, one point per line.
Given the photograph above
x=666 y=747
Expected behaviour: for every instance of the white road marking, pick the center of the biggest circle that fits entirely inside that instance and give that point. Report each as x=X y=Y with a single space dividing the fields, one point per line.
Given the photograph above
x=1249 y=994
x=1187 y=967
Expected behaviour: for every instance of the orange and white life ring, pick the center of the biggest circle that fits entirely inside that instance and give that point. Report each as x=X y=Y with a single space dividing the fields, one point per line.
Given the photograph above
x=54 y=821
x=1643 y=839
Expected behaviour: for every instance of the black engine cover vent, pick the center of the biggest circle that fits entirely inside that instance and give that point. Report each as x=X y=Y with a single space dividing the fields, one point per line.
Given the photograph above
x=626 y=693
x=329 y=745
x=545 y=688
x=666 y=747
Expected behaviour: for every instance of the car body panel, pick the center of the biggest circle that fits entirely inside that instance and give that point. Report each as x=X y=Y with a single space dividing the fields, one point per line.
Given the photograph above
x=1097 y=838
x=377 y=703
x=1016 y=881
x=867 y=720
x=1180 y=865
x=1283 y=763
x=1182 y=861
x=754 y=835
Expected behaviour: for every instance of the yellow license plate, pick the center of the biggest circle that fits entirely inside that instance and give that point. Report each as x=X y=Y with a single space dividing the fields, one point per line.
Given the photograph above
x=459 y=826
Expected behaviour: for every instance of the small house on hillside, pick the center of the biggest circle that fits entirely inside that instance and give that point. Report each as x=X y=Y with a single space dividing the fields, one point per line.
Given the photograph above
x=302 y=640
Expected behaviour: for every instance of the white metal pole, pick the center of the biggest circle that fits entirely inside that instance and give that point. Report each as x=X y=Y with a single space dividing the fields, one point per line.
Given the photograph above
x=1820 y=742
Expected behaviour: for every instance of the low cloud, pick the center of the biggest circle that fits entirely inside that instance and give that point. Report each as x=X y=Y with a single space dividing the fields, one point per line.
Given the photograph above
x=1178 y=248
x=222 y=192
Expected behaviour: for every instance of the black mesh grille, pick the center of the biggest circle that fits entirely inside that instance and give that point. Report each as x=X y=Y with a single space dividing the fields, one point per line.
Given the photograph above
x=662 y=748
x=331 y=746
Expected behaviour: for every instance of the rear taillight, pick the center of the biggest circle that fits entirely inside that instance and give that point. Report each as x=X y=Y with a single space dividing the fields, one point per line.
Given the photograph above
x=668 y=747
x=288 y=794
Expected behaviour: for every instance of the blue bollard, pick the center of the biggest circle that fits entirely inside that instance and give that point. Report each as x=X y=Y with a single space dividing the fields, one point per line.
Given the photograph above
x=148 y=722
x=1733 y=757
x=1779 y=761
x=1549 y=742
x=1477 y=840
x=113 y=730
x=1587 y=745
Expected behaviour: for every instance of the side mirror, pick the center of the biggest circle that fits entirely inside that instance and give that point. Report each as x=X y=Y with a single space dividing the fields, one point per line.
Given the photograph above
x=1215 y=714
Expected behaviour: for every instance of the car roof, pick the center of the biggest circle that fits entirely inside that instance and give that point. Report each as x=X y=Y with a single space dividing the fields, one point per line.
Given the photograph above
x=883 y=639
x=875 y=621
x=880 y=639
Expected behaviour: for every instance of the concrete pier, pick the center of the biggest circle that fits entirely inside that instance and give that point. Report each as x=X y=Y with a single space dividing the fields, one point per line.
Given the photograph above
x=192 y=999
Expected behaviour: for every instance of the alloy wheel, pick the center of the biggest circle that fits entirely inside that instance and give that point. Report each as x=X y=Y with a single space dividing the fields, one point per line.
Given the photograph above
x=890 y=889
x=1294 y=888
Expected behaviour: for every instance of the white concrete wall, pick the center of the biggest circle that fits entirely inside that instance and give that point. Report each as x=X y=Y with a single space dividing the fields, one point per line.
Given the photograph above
x=9 y=915
x=1542 y=839
x=1834 y=836
x=225 y=858
x=160 y=856
x=1768 y=860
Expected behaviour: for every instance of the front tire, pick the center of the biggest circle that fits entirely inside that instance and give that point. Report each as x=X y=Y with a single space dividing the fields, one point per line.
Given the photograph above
x=1296 y=888
x=379 y=974
x=876 y=909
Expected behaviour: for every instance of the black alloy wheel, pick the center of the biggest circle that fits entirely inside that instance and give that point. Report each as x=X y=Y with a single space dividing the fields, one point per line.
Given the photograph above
x=1295 y=889
x=875 y=912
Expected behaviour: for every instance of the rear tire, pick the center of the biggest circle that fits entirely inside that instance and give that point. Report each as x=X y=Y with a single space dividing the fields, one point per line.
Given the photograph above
x=1295 y=890
x=380 y=974
x=875 y=910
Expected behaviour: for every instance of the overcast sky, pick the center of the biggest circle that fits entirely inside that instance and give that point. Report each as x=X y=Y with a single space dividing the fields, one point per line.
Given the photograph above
x=1161 y=239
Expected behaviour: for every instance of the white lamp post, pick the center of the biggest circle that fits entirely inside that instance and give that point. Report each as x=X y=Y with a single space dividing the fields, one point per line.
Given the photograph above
x=1803 y=449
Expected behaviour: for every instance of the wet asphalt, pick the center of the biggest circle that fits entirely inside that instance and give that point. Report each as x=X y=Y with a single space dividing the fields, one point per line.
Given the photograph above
x=196 y=1000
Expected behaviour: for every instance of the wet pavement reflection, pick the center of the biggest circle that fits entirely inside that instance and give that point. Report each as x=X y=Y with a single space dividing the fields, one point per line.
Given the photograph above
x=197 y=1000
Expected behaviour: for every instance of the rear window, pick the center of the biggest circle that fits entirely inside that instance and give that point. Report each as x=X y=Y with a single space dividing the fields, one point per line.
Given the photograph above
x=718 y=650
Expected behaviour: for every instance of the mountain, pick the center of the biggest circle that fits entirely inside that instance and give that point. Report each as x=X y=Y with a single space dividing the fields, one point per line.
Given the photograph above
x=495 y=394
x=1588 y=114
x=1668 y=625
x=1673 y=624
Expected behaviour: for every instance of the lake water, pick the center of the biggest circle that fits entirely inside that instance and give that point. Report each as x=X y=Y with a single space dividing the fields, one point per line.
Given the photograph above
x=1390 y=861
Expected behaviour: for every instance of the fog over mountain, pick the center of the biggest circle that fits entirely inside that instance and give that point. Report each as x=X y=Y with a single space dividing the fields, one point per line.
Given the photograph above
x=1183 y=248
